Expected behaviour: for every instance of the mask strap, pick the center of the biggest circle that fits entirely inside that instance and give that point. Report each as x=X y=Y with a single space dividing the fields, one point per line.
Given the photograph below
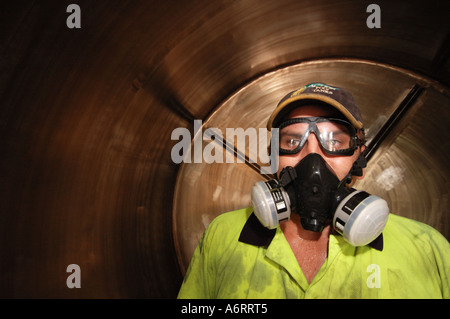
x=358 y=165
x=356 y=170
x=289 y=175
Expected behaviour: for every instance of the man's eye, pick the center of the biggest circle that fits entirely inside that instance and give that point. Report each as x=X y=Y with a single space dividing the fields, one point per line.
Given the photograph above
x=333 y=142
x=292 y=143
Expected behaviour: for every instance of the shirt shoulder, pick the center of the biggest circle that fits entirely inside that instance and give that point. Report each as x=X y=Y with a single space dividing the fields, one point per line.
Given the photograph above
x=226 y=228
x=403 y=228
x=415 y=250
x=208 y=263
x=234 y=219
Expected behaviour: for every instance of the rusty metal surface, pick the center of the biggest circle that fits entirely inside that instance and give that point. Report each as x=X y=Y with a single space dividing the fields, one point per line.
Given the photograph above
x=87 y=114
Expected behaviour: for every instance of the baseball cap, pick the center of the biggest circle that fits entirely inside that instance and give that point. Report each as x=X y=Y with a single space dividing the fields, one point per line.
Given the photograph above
x=339 y=98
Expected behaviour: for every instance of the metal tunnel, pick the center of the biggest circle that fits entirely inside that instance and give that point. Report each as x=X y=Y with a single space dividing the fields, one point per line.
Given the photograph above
x=87 y=116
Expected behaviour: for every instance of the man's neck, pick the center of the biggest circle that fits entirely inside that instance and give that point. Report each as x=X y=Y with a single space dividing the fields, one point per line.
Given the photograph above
x=310 y=248
x=293 y=228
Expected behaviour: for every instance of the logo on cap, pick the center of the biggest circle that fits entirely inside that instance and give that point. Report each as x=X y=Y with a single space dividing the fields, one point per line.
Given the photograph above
x=316 y=88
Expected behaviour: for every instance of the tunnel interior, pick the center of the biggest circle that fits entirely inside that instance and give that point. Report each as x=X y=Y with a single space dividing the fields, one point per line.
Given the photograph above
x=87 y=116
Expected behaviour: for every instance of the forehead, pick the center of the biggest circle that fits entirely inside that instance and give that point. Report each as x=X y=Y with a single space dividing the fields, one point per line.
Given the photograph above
x=314 y=110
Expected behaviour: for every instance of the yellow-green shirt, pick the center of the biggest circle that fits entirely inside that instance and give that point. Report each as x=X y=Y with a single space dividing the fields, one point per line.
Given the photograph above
x=414 y=263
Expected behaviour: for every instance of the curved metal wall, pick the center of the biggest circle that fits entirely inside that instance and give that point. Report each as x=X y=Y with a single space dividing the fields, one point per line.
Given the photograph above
x=87 y=116
x=412 y=188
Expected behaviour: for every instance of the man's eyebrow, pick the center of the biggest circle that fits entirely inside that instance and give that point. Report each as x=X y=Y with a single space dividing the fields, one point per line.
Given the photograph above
x=339 y=132
x=291 y=133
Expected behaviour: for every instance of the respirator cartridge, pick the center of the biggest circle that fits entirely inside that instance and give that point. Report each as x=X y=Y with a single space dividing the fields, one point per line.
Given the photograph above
x=313 y=192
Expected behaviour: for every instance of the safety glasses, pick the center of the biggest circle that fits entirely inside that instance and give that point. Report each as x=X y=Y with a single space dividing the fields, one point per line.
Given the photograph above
x=336 y=136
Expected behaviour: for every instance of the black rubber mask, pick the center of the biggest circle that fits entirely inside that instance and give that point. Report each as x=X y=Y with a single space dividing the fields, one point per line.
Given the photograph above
x=312 y=187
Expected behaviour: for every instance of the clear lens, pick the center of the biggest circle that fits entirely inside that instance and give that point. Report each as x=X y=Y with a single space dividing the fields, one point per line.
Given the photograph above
x=336 y=136
x=291 y=136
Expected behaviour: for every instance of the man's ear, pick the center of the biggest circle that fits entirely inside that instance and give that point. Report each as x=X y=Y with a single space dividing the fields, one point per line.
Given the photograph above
x=362 y=176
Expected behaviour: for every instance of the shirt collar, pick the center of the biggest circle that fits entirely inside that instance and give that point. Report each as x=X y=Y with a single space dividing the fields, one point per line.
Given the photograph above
x=254 y=233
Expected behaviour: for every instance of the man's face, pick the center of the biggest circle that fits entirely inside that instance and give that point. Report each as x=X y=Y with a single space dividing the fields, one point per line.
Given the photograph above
x=341 y=165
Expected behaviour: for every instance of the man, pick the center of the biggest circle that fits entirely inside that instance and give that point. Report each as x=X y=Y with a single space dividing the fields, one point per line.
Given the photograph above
x=320 y=131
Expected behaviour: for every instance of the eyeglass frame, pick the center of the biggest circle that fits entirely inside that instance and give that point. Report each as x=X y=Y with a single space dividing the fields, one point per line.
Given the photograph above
x=355 y=142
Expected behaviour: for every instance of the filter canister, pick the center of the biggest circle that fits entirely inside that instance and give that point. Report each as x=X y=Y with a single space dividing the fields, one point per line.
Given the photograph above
x=360 y=217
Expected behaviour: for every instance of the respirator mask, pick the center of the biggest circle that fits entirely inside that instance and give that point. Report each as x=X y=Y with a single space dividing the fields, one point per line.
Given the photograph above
x=314 y=192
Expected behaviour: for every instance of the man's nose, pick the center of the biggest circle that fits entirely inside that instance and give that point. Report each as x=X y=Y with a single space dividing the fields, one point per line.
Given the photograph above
x=312 y=145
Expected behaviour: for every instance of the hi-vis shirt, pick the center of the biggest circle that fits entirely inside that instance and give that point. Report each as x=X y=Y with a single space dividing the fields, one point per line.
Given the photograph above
x=238 y=258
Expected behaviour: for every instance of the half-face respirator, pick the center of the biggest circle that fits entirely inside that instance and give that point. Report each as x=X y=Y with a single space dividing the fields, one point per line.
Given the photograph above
x=313 y=191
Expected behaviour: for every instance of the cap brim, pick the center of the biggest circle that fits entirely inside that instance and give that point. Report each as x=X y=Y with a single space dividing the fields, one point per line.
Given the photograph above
x=318 y=97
